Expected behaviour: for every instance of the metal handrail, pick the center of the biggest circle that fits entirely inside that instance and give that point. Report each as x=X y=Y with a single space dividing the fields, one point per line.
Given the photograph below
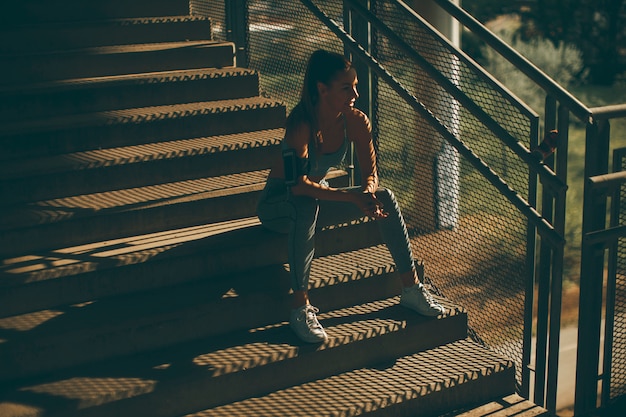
x=548 y=177
x=609 y=112
x=519 y=61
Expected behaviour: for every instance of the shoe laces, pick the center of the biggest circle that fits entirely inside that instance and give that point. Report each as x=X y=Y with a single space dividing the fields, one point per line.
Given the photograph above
x=310 y=316
x=427 y=295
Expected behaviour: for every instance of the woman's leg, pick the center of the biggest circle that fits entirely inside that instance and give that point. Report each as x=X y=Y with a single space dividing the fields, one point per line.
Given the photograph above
x=301 y=245
x=393 y=230
x=295 y=216
x=394 y=233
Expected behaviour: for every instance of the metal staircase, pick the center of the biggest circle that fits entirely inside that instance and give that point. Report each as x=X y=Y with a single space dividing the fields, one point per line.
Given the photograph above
x=135 y=279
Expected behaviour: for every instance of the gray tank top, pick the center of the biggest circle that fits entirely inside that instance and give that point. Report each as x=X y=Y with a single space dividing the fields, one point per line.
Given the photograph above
x=321 y=164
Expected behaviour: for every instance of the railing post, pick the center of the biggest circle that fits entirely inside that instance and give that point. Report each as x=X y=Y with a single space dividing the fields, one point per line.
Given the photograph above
x=556 y=290
x=544 y=272
x=611 y=285
x=591 y=272
x=236 y=17
x=531 y=253
x=361 y=31
x=550 y=266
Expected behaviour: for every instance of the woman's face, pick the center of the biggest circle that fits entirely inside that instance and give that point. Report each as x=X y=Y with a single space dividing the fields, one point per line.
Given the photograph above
x=341 y=93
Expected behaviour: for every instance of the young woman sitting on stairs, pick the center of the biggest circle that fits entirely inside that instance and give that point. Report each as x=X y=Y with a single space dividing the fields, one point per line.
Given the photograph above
x=318 y=132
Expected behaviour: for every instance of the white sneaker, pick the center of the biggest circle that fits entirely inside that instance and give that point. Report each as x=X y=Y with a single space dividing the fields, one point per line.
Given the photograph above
x=304 y=323
x=418 y=298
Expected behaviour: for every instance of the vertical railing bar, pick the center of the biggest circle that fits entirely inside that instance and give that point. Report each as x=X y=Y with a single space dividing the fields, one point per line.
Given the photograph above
x=347 y=19
x=591 y=275
x=556 y=291
x=603 y=158
x=611 y=285
x=359 y=28
x=374 y=78
x=531 y=242
x=545 y=271
x=581 y=397
x=236 y=17
x=543 y=298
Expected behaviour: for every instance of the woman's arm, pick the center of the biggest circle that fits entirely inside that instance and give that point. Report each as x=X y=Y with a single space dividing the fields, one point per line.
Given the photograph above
x=298 y=140
x=360 y=130
x=361 y=134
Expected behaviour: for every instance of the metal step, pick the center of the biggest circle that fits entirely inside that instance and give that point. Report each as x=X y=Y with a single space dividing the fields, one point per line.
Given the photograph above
x=87 y=95
x=96 y=217
x=110 y=129
x=423 y=384
x=43 y=279
x=97 y=171
x=508 y=406
x=116 y=60
x=57 y=36
x=227 y=368
x=28 y=11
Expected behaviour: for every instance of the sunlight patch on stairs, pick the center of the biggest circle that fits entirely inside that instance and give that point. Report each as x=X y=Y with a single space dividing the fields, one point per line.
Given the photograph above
x=91 y=391
x=124 y=251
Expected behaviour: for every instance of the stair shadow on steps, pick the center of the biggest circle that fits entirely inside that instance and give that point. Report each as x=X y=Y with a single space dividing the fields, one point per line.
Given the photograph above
x=214 y=371
x=46 y=279
x=80 y=332
x=31 y=335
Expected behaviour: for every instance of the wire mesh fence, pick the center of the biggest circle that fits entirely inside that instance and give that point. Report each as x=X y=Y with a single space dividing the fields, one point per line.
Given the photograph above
x=216 y=10
x=618 y=349
x=472 y=239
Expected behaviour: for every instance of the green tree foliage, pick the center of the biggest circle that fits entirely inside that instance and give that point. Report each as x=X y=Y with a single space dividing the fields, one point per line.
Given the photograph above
x=485 y=10
x=596 y=27
x=562 y=62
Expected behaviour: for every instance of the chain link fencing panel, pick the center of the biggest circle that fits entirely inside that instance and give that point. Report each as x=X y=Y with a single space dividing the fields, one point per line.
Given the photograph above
x=477 y=251
x=618 y=349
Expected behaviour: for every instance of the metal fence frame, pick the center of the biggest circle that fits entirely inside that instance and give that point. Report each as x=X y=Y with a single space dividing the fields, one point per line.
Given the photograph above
x=601 y=233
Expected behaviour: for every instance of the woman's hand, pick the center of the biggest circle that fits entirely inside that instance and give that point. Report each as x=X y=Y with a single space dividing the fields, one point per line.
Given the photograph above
x=369 y=204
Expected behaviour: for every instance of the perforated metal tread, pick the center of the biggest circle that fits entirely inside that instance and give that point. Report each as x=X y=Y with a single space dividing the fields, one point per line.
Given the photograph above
x=327 y=272
x=125 y=49
x=508 y=406
x=117 y=60
x=133 y=250
x=49 y=36
x=62 y=261
x=443 y=370
x=149 y=78
x=138 y=115
x=149 y=197
x=27 y=11
x=137 y=154
x=43 y=279
x=239 y=364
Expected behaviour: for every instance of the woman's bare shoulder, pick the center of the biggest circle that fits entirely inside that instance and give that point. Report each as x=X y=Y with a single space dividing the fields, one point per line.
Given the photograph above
x=357 y=122
x=297 y=135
